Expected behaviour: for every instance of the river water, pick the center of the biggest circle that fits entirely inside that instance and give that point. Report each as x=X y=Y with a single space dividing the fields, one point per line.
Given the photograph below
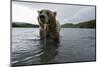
x=76 y=45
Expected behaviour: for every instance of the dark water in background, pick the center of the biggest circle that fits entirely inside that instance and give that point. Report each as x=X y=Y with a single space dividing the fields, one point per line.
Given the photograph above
x=75 y=45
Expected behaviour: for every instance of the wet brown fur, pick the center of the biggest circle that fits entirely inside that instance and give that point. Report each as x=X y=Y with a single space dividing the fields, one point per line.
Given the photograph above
x=51 y=29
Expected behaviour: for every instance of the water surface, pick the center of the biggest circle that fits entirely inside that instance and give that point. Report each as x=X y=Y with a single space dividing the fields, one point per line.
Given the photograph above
x=75 y=45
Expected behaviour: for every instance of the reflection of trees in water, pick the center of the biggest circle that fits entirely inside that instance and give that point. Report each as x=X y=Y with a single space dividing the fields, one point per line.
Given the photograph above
x=49 y=49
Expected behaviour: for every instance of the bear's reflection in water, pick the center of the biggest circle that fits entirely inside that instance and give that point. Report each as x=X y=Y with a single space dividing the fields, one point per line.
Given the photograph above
x=49 y=49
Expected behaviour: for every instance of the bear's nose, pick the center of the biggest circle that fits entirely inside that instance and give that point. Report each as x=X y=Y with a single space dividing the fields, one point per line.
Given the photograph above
x=42 y=17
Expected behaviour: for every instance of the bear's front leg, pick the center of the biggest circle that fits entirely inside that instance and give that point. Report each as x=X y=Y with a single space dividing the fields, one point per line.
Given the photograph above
x=41 y=34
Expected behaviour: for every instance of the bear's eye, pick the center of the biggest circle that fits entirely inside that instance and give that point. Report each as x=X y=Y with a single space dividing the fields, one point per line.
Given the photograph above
x=40 y=12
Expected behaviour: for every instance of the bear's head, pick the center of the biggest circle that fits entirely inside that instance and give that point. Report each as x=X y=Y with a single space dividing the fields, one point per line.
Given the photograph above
x=45 y=16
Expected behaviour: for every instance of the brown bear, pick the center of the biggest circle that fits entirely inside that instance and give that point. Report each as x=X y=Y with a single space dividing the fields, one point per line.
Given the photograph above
x=49 y=26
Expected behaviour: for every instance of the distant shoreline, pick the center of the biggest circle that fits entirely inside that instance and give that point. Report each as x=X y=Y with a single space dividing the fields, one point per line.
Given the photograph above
x=61 y=27
x=86 y=24
x=23 y=24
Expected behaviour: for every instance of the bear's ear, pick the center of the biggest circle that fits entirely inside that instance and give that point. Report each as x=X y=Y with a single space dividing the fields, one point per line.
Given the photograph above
x=55 y=13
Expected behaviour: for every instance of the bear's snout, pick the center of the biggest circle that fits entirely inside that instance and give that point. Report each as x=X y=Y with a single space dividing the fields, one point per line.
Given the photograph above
x=42 y=18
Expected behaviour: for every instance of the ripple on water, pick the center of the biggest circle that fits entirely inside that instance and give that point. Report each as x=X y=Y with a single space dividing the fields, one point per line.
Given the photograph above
x=74 y=44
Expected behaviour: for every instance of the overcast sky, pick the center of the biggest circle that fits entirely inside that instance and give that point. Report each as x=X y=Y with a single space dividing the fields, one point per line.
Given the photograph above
x=27 y=12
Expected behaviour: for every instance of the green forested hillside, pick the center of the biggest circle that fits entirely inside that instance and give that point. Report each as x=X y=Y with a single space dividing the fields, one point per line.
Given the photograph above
x=23 y=24
x=86 y=24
